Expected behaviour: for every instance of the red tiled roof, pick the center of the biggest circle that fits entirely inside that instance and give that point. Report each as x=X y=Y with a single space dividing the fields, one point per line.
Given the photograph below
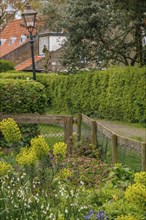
x=12 y=29
x=27 y=63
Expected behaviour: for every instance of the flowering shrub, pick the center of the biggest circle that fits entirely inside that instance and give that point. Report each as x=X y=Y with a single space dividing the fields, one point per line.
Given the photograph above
x=140 y=178
x=124 y=203
x=27 y=156
x=48 y=185
x=20 y=200
x=36 y=151
x=60 y=150
x=65 y=173
x=10 y=130
x=136 y=193
x=4 y=168
x=40 y=146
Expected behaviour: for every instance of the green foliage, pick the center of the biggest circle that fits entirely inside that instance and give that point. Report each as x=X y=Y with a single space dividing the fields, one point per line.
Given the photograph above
x=38 y=149
x=22 y=96
x=28 y=131
x=127 y=217
x=123 y=201
x=120 y=175
x=101 y=39
x=16 y=75
x=5 y=168
x=40 y=184
x=116 y=93
x=6 y=65
x=136 y=193
x=46 y=187
x=10 y=130
x=60 y=150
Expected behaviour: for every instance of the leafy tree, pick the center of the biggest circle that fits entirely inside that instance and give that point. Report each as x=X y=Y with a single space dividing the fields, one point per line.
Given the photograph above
x=9 y=8
x=137 y=9
x=104 y=32
x=52 y=13
x=99 y=32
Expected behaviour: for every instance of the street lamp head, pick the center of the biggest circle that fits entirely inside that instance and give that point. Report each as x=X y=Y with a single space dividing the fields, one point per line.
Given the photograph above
x=29 y=16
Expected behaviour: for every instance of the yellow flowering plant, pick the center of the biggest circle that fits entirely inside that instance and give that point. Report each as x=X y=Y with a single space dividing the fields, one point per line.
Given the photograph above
x=26 y=156
x=29 y=155
x=140 y=178
x=40 y=146
x=60 y=150
x=10 y=130
x=136 y=193
x=5 y=168
x=65 y=173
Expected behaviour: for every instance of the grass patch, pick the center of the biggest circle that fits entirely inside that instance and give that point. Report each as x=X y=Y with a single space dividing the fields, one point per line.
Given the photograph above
x=137 y=138
x=134 y=125
x=51 y=129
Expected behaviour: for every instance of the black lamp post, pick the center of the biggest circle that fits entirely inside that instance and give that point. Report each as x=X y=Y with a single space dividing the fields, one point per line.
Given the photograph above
x=144 y=24
x=29 y=17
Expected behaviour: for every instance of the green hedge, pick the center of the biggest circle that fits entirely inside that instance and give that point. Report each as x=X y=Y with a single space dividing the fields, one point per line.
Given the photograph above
x=116 y=93
x=6 y=65
x=22 y=96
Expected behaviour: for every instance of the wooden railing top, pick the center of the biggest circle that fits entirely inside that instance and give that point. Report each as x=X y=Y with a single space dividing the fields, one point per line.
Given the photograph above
x=35 y=118
x=122 y=140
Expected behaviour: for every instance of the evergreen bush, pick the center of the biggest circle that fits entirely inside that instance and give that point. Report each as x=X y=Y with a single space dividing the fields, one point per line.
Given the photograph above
x=6 y=65
x=22 y=96
x=117 y=93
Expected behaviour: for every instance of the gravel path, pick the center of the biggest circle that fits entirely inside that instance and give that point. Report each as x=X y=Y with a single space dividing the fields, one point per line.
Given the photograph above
x=123 y=129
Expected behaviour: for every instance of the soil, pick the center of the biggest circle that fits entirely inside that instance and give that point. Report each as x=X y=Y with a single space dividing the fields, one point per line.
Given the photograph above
x=123 y=129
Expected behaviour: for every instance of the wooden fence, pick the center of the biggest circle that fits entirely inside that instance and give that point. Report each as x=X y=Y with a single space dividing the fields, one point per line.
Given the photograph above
x=68 y=122
x=115 y=139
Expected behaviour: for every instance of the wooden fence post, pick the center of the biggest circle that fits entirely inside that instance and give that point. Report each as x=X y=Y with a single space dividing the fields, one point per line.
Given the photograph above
x=79 y=123
x=94 y=132
x=68 y=132
x=114 y=149
x=143 y=156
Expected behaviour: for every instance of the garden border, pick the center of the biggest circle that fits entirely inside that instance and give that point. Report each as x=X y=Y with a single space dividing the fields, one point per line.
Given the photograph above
x=68 y=121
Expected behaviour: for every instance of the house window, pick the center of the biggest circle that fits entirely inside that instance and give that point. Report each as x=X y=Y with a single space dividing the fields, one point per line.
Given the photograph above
x=2 y=41
x=12 y=40
x=22 y=38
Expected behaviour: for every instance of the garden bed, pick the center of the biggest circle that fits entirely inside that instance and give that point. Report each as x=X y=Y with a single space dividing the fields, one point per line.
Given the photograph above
x=42 y=183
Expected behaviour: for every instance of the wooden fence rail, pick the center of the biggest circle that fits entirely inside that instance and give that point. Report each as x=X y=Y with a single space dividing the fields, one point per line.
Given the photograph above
x=96 y=127
x=67 y=121
x=115 y=139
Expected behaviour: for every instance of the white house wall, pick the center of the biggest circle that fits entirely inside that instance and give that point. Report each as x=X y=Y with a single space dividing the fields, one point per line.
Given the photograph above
x=56 y=42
